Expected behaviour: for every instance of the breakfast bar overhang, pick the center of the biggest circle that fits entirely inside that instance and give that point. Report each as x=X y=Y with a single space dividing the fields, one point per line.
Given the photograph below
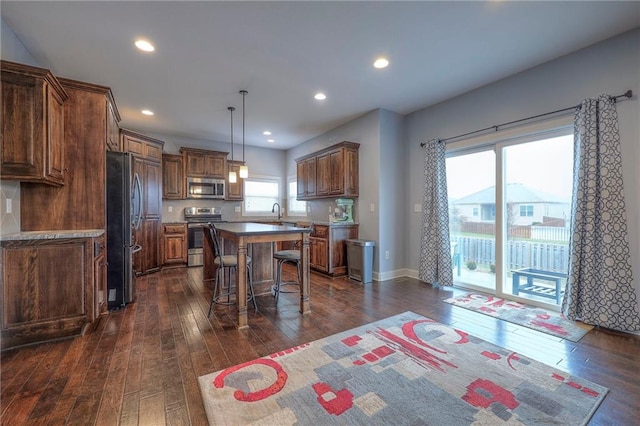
x=246 y=233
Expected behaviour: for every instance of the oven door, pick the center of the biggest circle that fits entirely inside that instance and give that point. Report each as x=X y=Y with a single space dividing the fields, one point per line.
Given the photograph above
x=195 y=240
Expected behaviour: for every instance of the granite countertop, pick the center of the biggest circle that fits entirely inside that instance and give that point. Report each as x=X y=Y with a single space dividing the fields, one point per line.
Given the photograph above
x=52 y=235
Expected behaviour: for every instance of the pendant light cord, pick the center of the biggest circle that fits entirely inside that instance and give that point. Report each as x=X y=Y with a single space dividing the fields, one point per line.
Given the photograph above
x=231 y=109
x=243 y=93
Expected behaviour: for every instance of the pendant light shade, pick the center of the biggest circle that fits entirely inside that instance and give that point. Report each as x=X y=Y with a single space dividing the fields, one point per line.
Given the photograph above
x=233 y=178
x=244 y=170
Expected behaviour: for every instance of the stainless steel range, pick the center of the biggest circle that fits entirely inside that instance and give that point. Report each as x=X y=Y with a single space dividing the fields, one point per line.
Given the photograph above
x=196 y=217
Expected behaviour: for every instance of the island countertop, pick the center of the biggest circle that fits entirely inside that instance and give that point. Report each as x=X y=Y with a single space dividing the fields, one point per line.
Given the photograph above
x=252 y=228
x=52 y=235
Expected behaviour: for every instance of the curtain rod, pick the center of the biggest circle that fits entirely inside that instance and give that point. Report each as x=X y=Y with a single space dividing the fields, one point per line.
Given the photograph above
x=626 y=94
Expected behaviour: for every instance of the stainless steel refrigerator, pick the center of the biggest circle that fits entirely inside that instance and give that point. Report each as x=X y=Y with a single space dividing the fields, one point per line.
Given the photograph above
x=124 y=211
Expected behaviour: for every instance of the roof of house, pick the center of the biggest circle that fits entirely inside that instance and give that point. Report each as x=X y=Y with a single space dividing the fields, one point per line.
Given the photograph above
x=516 y=193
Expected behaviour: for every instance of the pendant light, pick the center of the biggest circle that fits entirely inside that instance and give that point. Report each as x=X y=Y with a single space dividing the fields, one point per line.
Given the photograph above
x=244 y=170
x=233 y=178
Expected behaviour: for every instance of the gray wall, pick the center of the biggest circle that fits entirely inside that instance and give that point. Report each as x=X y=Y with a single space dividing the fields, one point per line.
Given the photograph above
x=364 y=130
x=11 y=49
x=610 y=67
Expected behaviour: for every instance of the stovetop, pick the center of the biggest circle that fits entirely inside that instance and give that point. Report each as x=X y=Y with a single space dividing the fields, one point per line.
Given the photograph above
x=202 y=214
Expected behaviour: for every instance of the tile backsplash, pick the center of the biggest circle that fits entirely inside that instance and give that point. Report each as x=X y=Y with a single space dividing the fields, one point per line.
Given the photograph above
x=9 y=200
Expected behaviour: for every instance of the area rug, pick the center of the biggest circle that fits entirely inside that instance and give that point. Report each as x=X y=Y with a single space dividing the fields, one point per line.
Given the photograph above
x=403 y=370
x=518 y=313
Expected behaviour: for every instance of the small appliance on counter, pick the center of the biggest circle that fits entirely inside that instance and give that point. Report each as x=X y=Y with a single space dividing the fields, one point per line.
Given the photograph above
x=195 y=218
x=343 y=211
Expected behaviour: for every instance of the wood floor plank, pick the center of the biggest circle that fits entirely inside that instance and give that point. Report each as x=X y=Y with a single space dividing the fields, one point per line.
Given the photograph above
x=140 y=365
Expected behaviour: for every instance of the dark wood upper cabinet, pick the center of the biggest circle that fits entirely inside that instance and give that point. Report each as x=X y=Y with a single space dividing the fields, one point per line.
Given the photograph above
x=32 y=137
x=329 y=173
x=80 y=203
x=113 y=130
x=235 y=191
x=204 y=163
x=173 y=179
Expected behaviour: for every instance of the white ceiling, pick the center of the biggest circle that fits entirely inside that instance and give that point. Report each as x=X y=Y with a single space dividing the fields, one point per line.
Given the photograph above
x=283 y=52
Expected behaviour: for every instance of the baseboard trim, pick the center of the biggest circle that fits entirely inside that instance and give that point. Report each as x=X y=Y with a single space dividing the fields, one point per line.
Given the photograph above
x=398 y=273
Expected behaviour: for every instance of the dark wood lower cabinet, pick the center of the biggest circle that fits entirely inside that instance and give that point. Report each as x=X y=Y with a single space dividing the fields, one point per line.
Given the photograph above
x=148 y=259
x=174 y=244
x=51 y=288
x=328 y=248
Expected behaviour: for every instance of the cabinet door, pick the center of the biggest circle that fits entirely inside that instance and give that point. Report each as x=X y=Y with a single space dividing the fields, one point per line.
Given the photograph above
x=152 y=189
x=150 y=260
x=318 y=254
x=215 y=166
x=113 y=131
x=324 y=178
x=337 y=174
x=175 y=249
x=311 y=176
x=301 y=179
x=172 y=177
x=351 y=172
x=235 y=191
x=195 y=164
x=32 y=129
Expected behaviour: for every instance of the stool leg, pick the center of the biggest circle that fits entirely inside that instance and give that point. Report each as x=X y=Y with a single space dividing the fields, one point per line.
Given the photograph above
x=215 y=290
x=252 y=295
x=278 y=279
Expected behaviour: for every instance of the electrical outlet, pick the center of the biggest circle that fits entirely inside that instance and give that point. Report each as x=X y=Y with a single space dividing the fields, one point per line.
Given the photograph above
x=170 y=209
x=308 y=209
x=9 y=205
x=237 y=209
x=417 y=208
x=372 y=207
x=386 y=254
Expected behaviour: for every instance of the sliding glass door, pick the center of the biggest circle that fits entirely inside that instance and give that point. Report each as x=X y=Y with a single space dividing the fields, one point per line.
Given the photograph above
x=472 y=213
x=509 y=213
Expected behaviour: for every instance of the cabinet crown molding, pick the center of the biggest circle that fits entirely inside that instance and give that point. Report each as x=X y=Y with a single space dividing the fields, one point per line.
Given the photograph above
x=343 y=144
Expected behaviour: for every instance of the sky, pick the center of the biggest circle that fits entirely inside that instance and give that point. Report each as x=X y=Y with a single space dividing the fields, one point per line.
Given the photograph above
x=545 y=165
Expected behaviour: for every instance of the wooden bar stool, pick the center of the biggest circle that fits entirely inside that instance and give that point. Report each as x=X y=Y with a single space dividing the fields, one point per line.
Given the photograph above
x=230 y=263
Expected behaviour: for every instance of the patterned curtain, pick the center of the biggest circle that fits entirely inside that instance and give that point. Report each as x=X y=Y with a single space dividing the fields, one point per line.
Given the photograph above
x=599 y=287
x=435 y=252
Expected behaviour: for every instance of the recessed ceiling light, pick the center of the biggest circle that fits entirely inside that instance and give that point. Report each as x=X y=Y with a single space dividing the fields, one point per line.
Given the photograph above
x=320 y=96
x=266 y=133
x=147 y=112
x=145 y=45
x=271 y=140
x=381 y=63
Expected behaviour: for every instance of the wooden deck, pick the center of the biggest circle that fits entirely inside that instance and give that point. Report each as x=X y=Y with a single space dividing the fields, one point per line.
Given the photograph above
x=141 y=364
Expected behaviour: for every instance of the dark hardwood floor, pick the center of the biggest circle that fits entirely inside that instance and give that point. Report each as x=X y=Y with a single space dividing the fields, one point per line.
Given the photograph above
x=140 y=365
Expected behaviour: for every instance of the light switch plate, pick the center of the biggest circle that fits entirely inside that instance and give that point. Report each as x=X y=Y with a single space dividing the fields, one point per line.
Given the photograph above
x=9 y=205
x=417 y=208
x=372 y=207
x=237 y=209
x=170 y=209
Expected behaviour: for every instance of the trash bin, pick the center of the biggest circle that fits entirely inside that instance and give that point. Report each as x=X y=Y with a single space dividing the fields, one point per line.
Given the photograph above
x=360 y=260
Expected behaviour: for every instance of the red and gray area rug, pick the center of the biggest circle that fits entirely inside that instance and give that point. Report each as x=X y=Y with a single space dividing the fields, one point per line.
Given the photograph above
x=526 y=315
x=406 y=369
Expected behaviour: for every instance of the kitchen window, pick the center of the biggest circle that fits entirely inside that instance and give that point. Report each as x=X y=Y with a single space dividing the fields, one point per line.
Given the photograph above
x=260 y=193
x=295 y=207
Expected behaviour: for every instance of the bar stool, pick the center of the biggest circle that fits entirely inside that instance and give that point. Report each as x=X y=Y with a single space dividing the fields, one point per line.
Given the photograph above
x=229 y=262
x=282 y=257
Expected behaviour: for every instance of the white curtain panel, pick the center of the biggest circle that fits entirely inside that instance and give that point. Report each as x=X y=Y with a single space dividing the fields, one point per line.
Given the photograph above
x=599 y=288
x=435 y=247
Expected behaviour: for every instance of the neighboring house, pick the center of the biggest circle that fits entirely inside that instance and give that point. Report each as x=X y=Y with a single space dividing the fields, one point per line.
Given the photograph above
x=524 y=205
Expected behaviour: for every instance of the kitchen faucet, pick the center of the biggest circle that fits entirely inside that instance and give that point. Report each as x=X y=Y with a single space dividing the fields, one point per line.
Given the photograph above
x=273 y=210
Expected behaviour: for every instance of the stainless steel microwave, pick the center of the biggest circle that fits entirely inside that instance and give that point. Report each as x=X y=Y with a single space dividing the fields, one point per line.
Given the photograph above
x=205 y=188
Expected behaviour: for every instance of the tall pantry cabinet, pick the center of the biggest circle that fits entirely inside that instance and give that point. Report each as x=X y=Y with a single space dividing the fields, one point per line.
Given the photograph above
x=147 y=163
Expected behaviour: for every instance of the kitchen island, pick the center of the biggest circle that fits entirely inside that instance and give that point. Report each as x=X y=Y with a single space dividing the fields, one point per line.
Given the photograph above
x=247 y=233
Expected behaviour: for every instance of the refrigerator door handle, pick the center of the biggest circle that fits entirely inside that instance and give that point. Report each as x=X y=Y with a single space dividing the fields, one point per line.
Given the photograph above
x=137 y=193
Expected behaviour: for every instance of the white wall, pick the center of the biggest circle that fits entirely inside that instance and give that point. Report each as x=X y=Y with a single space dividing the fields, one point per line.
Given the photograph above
x=11 y=49
x=610 y=67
